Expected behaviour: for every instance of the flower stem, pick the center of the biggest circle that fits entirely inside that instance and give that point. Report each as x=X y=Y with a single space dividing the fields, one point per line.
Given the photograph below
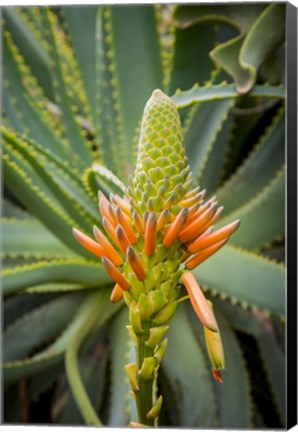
x=144 y=396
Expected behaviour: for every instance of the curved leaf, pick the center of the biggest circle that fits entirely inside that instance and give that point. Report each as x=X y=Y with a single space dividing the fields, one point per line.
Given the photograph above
x=261 y=327
x=223 y=91
x=27 y=238
x=245 y=278
x=38 y=326
x=20 y=26
x=97 y=304
x=76 y=271
x=262 y=218
x=258 y=169
x=120 y=388
x=188 y=374
x=190 y=58
x=202 y=130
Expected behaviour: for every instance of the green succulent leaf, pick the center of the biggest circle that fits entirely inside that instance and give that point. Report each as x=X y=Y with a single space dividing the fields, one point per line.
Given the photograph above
x=196 y=394
x=201 y=132
x=222 y=91
x=230 y=274
x=51 y=318
x=17 y=241
x=259 y=227
x=258 y=169
x=74 y=270
x=190 y=57
x=24 y=32
x=211 y=174
x=96 y=305
x=120 y=341
x=262 y=328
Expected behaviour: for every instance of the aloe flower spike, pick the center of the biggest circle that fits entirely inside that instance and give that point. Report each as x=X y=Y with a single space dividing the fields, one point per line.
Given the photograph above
x=159 y=229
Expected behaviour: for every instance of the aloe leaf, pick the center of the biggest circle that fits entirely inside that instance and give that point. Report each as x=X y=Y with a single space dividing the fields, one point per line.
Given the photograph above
x=259 y=227
x=258 y=169
x=63 y=187
x=14 y=371
x=80 y=151
x=119 y=388
x=28 y=238
x=52 y=355
x=239 y=16
x=56 y=288
x=191 y=63
x=20 y=26
x=274 y=363
x=39 y=203
x=120 y=43
x=135 y=42
x=213 y=170
x=41 y=382
x=92 y=363
x=193 y=381
x=245 y=278
x=34 y=120
x=97 y=305
x=234 y=399
x=242 y=55
x=261 y=327
x=201 y=132
x=11 y=210
x=223 y=91
x=227 y=55
x=39 y=325
x=23 y=302
x=74 y=270
x=266 y=34
x=107 y=181
x=56 y=165
x=84 y=47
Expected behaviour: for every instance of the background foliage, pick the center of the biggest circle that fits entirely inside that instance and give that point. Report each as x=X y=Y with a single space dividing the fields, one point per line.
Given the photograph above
x=75 y=83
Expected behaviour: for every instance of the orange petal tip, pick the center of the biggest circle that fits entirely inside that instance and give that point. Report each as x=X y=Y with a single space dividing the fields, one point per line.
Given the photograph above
x=217 y=375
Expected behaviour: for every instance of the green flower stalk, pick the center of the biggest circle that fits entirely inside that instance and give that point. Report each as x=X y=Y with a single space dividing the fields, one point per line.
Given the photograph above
x=158 y=231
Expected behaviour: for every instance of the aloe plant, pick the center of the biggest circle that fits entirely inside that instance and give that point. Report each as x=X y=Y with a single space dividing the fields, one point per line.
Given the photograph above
x=76 y=81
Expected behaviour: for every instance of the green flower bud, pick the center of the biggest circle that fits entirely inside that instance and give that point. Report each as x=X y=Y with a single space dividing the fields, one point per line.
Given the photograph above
x=158 y=300
x=131 y=371
x=165 y=314
x=155 y=335
x=214 y=345
x=159 y=353
x=135 y=318
x=132 y=334
x=146 y=307
x=147 y=369
x=155 y=410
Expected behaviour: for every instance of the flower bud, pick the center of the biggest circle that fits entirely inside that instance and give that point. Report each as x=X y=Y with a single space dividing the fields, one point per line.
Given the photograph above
x=132 y=334
x=158 y=300
x=131 y=371
x=165 y=314
x=135 y=318
x=215 y=349
x=155 y=410
x=155 y=335
x=146 y=306
x=159 y=353
x=147 y=368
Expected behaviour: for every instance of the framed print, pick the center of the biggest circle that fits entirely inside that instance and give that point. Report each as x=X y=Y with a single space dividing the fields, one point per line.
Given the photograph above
x=149 y=206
